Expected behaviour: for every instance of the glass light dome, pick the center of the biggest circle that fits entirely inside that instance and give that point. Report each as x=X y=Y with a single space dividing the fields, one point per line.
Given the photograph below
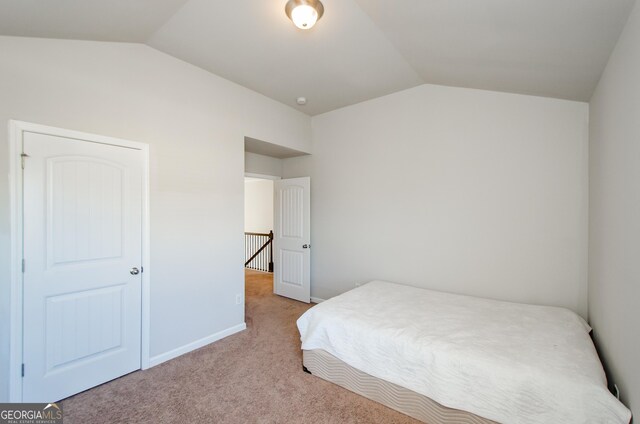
x=304 y=16
x=304 y=13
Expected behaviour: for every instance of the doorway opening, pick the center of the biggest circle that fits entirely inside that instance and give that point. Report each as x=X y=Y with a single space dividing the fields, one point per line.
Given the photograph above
x=258 y=233
x=277 y=212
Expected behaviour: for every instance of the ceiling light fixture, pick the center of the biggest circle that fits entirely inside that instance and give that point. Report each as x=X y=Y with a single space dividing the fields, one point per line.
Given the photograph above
x=304 y=13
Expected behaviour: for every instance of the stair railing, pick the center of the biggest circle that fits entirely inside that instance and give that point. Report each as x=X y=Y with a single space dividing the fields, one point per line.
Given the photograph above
x=258 y=248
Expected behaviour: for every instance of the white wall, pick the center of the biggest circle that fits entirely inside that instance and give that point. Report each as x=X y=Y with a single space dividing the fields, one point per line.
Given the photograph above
x=453 y=189
x=260 y=164
x=195 y=124
x=258 y=206
x=614 y=214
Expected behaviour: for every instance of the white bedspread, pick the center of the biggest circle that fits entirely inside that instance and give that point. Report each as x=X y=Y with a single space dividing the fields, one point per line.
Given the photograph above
x=507 y=362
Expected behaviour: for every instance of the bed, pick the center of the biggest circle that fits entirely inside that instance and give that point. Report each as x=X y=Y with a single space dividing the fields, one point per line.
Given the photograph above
x=445 y=358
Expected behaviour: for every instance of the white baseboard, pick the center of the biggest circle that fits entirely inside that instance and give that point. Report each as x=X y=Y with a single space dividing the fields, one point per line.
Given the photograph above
x=163 y=357
x=317 y=300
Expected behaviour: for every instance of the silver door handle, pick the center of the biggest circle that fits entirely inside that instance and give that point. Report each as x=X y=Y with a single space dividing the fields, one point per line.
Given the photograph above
x=306 y=246
x=134 y=271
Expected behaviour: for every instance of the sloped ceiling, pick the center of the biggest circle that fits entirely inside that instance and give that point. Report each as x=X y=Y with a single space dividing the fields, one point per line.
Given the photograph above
x=360 y=49
x=100 y=20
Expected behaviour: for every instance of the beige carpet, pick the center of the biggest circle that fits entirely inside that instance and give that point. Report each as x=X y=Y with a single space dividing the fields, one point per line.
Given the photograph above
x=251 y=377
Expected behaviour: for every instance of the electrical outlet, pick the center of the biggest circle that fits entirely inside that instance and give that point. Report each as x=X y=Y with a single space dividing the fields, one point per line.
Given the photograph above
x=238 y=299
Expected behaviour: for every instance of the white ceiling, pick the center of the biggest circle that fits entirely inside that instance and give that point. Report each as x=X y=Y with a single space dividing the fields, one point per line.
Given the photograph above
x=343 y=60
x=360 y=49
x=552 y=48
x=102 y=20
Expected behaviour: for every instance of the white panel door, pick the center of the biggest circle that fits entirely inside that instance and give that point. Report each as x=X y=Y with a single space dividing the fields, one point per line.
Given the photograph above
x=82 y=241
x=292 y=238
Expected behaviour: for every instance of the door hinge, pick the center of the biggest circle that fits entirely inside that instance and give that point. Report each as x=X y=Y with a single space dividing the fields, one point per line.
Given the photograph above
x=23 y=156
x=23 y=370
x=23 y=265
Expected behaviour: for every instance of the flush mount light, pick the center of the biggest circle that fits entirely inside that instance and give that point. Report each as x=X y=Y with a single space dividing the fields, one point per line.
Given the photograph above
x=304 y=13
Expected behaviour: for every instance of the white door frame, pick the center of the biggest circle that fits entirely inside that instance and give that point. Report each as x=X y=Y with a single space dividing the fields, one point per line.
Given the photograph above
x=16 y=131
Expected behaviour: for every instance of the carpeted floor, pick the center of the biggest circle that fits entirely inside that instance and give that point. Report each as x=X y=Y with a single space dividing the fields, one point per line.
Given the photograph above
x=251 y=377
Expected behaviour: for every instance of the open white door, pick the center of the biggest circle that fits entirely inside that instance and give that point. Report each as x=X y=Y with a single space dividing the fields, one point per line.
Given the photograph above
x=292 y=238
x=83 y=252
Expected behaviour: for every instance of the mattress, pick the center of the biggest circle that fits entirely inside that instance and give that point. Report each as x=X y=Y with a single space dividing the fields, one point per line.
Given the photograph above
x=328 y=367
x=506 y=362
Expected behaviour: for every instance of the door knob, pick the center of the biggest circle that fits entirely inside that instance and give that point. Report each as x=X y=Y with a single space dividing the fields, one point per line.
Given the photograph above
x=306 y=246
x=134 y=271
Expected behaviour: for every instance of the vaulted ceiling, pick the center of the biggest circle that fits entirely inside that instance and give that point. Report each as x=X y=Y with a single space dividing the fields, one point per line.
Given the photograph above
x=360 y=49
